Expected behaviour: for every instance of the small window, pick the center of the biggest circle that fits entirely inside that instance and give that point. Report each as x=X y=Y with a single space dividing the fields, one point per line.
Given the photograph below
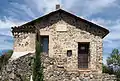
x=69 y=53
x=45 y=43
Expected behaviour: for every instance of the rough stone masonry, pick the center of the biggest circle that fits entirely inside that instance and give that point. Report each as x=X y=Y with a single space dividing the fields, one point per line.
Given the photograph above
x=64 y=31
x=21 y=70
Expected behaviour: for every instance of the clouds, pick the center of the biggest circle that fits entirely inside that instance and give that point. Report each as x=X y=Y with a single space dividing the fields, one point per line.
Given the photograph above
x=42 y=6
x=6 y=24
x=30 y=9
x=22 y=9
x=6 y=42
x=112 y=40
x=87 y=8
x=112 y=25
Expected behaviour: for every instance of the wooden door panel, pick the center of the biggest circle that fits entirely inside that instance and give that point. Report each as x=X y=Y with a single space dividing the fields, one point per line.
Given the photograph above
x=83 y=52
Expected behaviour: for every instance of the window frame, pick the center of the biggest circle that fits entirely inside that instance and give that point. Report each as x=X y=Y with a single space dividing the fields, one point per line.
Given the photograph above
x=41 y=40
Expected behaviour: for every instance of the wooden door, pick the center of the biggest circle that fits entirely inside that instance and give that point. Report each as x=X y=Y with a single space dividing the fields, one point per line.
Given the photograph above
x=83 y=52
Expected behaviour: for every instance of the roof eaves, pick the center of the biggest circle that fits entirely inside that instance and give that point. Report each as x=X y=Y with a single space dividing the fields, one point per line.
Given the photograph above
x=64 y=11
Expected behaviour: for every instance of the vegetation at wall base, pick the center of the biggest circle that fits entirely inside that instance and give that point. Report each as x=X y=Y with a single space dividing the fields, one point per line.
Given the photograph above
x=113 y=64
x=5 y=57
x=37 y=65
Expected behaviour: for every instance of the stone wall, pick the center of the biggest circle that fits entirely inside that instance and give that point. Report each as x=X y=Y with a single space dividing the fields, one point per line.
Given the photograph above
x=21 y=70
x=64 y=34
x=54 y=73
x=24 y=41
x=18 y=70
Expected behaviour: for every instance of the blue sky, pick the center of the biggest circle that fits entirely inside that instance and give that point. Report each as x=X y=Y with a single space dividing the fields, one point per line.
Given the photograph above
x=102 y=12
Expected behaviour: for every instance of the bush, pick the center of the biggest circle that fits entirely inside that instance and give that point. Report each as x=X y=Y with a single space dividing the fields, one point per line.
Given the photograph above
x=106 y=69
x=37 y=66
x=5 y=57
x=113 y=64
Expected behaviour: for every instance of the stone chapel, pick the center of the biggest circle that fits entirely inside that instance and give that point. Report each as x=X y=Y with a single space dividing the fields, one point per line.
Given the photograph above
x=76 y=42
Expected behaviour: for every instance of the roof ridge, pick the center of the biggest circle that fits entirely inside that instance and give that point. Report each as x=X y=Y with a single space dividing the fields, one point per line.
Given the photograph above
x=69 y=13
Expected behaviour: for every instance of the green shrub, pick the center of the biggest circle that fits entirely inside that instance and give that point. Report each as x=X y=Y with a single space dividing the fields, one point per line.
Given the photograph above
x=37 y=66
x=106 y=69
x=5 y=57
x=113 y=61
